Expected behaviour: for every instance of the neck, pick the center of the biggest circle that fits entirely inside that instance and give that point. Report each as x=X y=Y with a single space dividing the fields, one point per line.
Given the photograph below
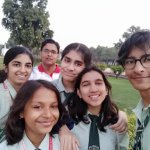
x=49 y=68
x=35 y=139
x=69 y=86
x=94 y=110
x=145 y=97
x=16 y=86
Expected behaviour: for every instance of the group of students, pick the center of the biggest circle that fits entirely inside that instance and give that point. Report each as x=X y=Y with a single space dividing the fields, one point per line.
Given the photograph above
x=74 y=111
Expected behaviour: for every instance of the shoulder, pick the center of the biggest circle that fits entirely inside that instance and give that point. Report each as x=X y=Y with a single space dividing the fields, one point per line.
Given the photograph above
x=4 y=146
x=56 y=142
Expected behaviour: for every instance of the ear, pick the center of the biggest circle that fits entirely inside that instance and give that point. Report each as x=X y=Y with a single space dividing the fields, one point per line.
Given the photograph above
x=78 y=93
x=6 y=69
x=21 y=115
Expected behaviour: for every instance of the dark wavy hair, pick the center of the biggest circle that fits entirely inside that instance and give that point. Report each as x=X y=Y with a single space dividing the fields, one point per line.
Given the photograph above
x=78 y=108
x=11 y=54
x=14 y=125
x=80 y=48
x=140 y=39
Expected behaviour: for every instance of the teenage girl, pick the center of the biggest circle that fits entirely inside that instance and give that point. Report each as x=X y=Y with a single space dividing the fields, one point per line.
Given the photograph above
x=75 y=57
x=33 y=117
x=18 y=63
x=93 y=111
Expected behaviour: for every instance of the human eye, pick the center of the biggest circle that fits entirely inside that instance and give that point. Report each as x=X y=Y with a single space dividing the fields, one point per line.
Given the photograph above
x=146 y=58
x=29 y=65
x=99 y=83
x=53 y=52
x=54 y=106
x=45 y=50
x=78 y=64
x=36 y=107
x=129 y=61
x=84 y=84
x=67 y=60
x=16 y=64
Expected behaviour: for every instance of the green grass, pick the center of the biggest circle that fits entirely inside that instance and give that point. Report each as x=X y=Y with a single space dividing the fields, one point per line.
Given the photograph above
x=1 y=62
x=125 y=96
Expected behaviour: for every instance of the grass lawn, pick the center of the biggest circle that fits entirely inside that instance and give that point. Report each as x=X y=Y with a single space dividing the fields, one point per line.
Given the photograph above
x=1 y=62
x=125 y=96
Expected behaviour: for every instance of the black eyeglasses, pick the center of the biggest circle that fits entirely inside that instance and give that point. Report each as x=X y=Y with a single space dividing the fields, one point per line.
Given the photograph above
x=46 y=51
x=130 y=62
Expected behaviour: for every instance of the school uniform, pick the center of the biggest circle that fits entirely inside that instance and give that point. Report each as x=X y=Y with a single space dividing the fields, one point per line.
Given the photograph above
x=7 y=94
x=59 y=85
x=141 y=112
x=109 y=140
x=38 y=72
x=25 y=144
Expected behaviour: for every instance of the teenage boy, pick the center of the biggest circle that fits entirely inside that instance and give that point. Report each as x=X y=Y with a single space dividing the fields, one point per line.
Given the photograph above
x=47 y=69
x=134 y=56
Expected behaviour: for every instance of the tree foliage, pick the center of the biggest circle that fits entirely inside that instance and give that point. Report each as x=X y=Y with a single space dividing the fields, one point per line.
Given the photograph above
x=27 y=21
x=103 y=54
x=126 y=34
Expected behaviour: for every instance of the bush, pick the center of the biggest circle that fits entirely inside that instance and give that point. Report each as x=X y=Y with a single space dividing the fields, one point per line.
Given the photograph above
x=131 y=129
x=117 y=69
x=101 y=66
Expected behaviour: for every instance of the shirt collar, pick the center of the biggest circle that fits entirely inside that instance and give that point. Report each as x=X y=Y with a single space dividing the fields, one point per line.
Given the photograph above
x=60 y=86
x=41 y=69
x=140 y=108
x=44 y=144
x=10 y=88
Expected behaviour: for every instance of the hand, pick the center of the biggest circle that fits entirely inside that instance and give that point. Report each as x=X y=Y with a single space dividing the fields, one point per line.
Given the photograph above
x=68 y=141
x=122 y=124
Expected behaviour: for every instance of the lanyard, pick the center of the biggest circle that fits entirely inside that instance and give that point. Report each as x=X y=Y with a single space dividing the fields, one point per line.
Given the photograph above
x=5 y=87
x=50 y=144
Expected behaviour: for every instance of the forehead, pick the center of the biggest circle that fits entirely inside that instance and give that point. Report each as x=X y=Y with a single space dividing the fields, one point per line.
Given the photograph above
x=22 y=58
x=50 y=46
x=44 y=95
x=137 y=52
x=74 y=55
x=92 y=75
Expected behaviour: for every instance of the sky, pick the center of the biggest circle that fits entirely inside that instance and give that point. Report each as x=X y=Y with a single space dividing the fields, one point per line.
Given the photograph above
x=92 y=22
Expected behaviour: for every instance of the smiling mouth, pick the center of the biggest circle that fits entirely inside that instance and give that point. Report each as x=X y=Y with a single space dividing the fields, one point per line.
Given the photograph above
x=94 y=97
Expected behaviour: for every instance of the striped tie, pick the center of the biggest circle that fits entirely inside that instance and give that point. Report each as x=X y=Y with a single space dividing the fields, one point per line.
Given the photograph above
x=139 y=132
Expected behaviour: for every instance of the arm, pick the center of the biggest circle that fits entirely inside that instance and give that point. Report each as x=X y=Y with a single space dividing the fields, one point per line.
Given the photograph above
x=122 y=124
x=68 y=141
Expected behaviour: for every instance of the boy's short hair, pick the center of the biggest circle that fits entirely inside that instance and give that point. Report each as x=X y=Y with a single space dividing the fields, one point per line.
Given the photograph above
x=140 y=39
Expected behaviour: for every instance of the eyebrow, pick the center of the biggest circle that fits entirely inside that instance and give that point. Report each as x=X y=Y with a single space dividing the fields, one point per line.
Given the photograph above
x=78 y=61
x=94 y=80
x=15 y=61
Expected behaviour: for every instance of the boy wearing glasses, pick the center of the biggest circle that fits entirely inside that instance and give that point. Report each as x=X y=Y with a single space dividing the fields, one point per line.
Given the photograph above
x=134 y=56
x=47 y=69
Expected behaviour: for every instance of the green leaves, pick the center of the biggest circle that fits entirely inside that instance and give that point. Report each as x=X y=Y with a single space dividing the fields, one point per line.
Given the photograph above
x=27 y=22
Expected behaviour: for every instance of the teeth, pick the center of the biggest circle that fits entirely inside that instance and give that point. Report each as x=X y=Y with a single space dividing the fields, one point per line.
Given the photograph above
x=94 y=97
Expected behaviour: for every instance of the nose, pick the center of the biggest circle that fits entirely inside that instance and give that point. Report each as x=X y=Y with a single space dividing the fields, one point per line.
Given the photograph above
x=47 y=113
x=93 y=88
x=71 y=66
x=23 y=68
x=138 y=67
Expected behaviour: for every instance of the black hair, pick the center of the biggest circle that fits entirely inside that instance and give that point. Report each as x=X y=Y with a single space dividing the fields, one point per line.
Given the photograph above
x=78 y=108
x=15 y=125
x=10 y=55
x=140 y=39
x=81 y=48
x=51 y=41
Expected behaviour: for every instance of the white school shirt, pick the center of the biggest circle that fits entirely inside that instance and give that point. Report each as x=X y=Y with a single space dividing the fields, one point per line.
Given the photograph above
x=109 y=140
x=7 y=94
x=29 y=146
x=36 y=75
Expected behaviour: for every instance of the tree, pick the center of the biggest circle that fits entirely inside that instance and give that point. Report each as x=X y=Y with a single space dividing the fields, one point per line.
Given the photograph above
x=27 y=20
x=125 y=35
